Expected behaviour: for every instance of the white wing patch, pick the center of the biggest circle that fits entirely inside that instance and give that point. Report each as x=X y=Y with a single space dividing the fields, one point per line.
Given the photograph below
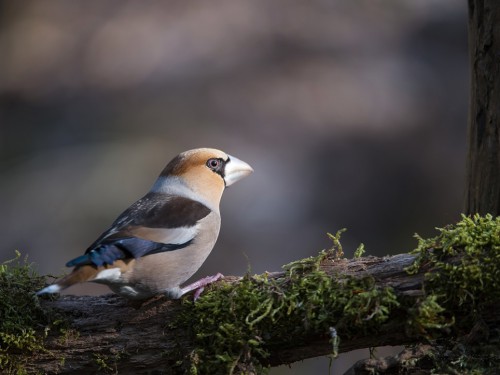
x=179 y=235
x=109 y=274
x=174 y=236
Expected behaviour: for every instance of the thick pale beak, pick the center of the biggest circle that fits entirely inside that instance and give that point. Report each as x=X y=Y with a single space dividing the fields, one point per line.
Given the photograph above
x=235 y=170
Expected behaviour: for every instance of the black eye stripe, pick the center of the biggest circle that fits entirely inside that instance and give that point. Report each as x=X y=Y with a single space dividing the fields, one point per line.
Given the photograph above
x=217 y=165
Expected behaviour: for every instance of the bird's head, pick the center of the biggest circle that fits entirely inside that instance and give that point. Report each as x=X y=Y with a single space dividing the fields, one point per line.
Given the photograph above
x=205 y=171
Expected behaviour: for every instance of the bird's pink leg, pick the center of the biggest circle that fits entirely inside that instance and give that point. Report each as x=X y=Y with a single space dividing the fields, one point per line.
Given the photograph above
x=199 y=286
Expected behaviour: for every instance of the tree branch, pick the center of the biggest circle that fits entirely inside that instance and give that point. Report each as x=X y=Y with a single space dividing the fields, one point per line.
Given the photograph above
x=448 y=289
x=108 y=332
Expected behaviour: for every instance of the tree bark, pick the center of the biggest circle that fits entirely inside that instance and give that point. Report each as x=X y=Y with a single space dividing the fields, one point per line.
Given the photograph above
x=109 y=324
x=483 y=159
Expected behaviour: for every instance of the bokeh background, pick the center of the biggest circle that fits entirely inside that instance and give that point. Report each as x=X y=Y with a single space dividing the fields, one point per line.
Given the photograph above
x=352 y=113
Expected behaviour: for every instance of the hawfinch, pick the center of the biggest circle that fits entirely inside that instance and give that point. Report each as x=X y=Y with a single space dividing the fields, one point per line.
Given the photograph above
x=162 y=239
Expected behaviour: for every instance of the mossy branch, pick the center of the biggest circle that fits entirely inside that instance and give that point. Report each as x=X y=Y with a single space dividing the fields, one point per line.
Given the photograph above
x=323 y=305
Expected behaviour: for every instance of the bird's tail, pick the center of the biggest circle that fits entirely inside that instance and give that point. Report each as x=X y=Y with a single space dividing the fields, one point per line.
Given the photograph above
x=79 y=275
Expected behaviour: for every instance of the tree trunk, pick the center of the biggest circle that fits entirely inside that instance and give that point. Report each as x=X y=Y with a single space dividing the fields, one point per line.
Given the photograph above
x=483 y=159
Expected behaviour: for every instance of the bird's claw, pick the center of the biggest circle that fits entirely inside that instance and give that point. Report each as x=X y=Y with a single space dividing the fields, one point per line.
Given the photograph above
x=199 y=286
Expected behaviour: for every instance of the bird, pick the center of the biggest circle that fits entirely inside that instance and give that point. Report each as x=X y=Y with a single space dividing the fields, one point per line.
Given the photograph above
x=162 y=239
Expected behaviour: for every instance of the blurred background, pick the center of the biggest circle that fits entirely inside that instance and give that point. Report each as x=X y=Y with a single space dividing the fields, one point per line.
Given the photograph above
x=352 y=113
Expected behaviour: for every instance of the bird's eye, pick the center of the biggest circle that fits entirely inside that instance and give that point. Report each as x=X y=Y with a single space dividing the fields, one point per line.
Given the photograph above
x=213 y=163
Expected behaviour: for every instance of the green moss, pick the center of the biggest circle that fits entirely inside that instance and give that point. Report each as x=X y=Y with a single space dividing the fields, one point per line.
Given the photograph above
x=108 y=363
x=21 y=317
x=462 y=282
x=236 y=326
x=427 y=318
x=66 y=334
x=358 y=253
x=455 y=357
x=102 y=362
x=464 y=266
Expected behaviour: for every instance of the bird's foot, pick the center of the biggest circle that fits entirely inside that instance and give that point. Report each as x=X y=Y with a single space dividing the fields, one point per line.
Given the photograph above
x=199 y=286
